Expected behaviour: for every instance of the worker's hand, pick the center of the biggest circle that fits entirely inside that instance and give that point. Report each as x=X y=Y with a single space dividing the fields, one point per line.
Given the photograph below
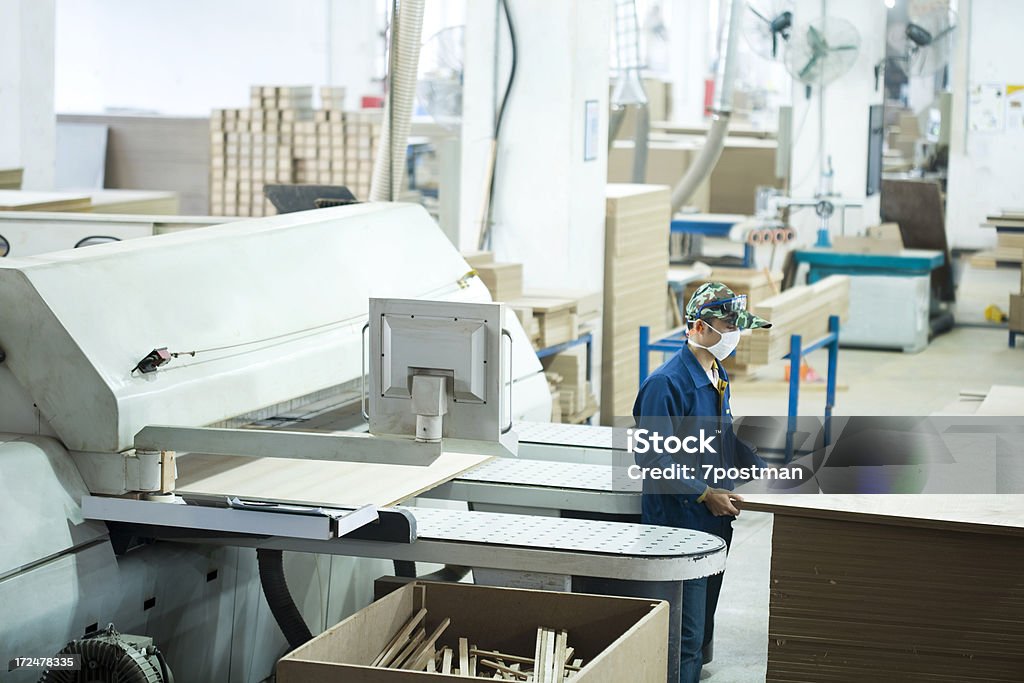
x=722 y=502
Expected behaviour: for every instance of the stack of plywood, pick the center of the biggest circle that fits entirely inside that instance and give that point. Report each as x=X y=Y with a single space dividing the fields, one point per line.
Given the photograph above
x=282 y=139
x=887 y=597
x=801 y=310
x=1009 y=227
x=635 y=287
x=575 y=392
x=18 y=200
x=504 y=280
x=138 y=202
x=10 y=178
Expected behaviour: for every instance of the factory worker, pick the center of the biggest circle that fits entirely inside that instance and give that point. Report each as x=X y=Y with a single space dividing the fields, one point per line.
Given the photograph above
x=689 y=396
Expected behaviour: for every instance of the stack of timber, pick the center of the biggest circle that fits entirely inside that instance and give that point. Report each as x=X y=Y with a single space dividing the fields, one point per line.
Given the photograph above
x=10 y=178
x=19 y=200
x=635 y=287
x=567 y=370
x=895 y=588
x=1009 y=249
x=801 y=310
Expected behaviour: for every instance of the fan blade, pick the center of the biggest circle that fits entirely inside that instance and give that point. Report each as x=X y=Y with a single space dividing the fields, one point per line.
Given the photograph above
x=775 y=44
x=808 y=66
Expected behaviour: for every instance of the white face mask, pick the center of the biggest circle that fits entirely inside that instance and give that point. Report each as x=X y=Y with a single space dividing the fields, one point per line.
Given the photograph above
x=725 y=346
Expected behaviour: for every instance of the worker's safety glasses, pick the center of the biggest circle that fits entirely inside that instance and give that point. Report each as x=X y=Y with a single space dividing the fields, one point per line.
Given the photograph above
x=726 y=306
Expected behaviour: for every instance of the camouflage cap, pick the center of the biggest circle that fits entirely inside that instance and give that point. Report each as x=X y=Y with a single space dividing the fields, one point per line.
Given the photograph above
x=715 y=300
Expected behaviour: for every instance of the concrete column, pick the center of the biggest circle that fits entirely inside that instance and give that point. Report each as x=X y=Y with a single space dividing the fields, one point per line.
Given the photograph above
x=28 y=136
x=549 y=204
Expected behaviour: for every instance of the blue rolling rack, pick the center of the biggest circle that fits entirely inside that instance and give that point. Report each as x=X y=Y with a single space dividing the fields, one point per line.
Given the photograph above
x=674 y=341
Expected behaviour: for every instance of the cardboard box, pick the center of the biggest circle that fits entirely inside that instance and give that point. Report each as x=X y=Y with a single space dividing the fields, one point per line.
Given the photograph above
x=877 y=239
x=619 y=639
x=1017 y=312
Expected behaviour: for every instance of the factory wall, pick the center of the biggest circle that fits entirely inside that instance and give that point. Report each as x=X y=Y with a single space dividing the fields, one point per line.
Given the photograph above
x=549 y=205
x=188 y=56
x=28 y=134
x=985 y=168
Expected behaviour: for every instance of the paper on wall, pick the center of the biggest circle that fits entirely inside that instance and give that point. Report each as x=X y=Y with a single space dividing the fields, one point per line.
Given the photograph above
x=985 y=108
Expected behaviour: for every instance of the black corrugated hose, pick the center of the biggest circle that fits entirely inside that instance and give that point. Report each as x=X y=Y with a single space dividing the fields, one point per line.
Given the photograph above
x=282 y=606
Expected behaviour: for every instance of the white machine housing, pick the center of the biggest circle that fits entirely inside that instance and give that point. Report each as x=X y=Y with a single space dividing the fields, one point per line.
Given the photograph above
x=273 y=307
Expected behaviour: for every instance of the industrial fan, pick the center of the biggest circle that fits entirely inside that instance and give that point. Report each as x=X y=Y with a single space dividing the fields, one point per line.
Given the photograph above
x=111 y=657
x=439 y=85
x=924 y=44
x=822 y=50
x=769 y=24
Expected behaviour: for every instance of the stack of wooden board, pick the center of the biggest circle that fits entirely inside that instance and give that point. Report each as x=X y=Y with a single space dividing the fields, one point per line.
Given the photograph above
x=556 y=319
x=1009 y=249
x=10 y=178
x=282 y=139
x=895 y=588
x=19 y=200
x=801 y=310
x=504 y=280
x=575 y=392
x=138 y=202
x=635 y=287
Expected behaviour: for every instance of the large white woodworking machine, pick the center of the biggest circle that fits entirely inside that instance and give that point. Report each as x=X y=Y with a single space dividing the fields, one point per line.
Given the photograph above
x=119 y=362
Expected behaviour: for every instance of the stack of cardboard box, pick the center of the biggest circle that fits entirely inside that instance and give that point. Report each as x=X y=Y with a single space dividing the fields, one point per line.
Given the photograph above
x=250 y=147
x=635 y=287
x=282 y=139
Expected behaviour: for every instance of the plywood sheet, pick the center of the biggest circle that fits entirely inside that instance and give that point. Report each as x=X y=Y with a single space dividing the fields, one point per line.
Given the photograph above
x=1003 y=399
x=316 y=482
x=18 y=200
x=1000 y=514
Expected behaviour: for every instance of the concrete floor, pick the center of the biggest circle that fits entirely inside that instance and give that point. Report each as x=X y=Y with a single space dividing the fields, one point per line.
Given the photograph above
x=877 y=383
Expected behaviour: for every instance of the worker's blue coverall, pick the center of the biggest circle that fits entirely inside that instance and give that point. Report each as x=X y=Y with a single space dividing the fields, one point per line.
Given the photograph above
x=679 y=398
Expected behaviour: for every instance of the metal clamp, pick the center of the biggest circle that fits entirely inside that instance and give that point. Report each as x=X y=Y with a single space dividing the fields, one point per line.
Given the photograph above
x=362 y=374
x=506 y=333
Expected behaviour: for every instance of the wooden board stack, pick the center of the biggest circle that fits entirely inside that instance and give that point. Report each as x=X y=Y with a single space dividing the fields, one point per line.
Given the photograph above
x=20 y=200
x=10 y=178
x=414 y=649
x=282 y=139
x=635 y=287
x=504 y=280
x=575 y=394
x=803 y=310
x=1009 y=249
x=858 y=600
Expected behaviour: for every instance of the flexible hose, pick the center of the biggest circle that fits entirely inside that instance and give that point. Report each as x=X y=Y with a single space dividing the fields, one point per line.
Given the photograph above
x=640 y=142
x=282 y=606
x=722 y=109
x=389 y=166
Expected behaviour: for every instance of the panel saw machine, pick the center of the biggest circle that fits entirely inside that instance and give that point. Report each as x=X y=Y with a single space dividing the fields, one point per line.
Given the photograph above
x=182 y=425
